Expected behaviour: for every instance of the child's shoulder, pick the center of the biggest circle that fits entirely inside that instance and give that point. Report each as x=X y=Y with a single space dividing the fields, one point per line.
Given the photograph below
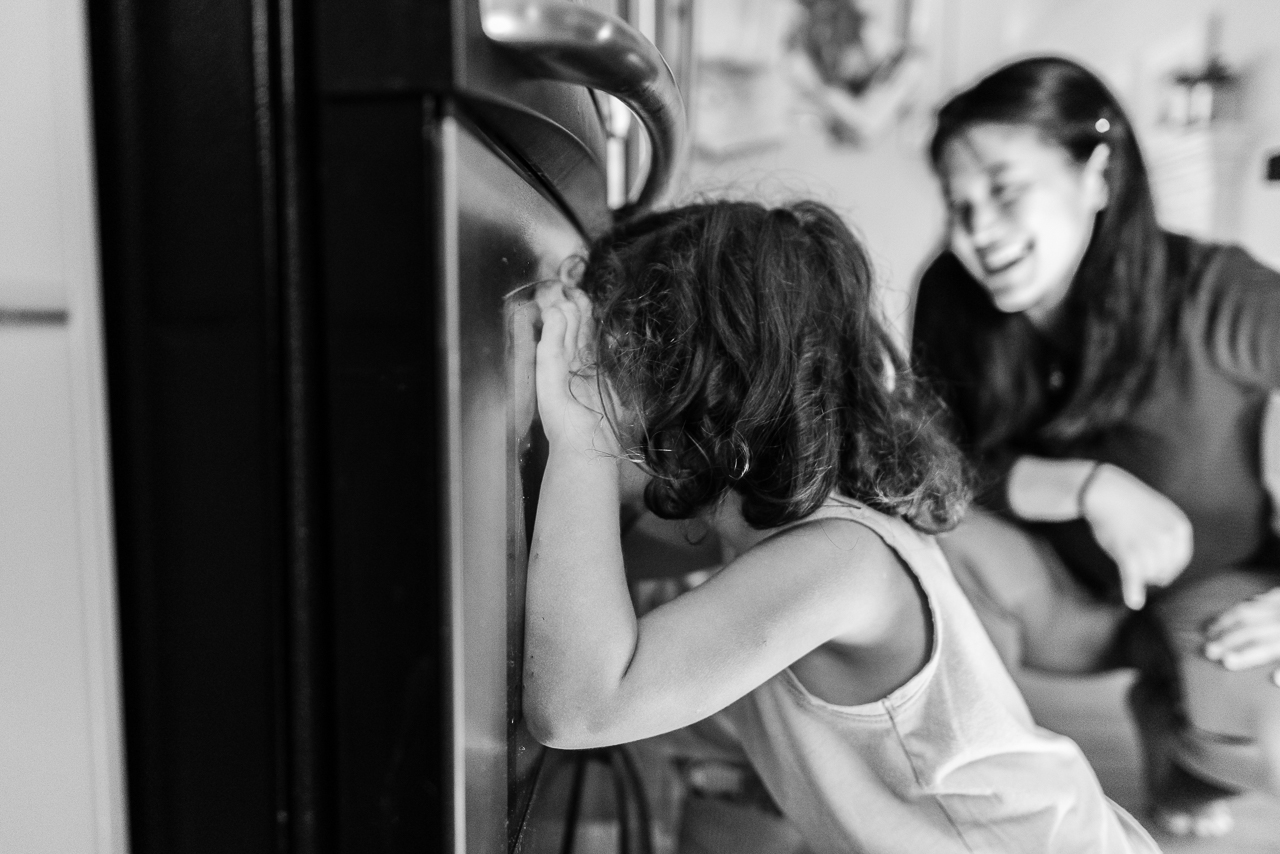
x=849 y=561
x=844 y=529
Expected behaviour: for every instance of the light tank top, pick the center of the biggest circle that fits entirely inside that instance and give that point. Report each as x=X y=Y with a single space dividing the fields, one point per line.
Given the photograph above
x=949 y=762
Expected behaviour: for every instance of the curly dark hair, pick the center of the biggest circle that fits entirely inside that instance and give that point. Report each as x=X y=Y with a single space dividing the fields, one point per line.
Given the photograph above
x=746 y=345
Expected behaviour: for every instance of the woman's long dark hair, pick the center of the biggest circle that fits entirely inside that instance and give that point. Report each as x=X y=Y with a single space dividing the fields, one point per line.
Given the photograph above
x=1122 y=297
x=746 y=344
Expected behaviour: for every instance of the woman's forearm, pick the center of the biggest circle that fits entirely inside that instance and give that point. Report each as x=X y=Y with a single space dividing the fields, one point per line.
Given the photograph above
x=1047 y=490
x=580 y=626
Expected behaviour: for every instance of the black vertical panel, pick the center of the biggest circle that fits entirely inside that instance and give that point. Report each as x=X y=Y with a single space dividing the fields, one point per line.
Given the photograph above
x=379 y=260
x=399 y=46
x=287 y=121
x=191 y=302
x=273 y=448
x=271 y=263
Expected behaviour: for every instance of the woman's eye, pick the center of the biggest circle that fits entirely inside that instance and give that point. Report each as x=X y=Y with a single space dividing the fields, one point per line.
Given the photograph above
x=1007 y=192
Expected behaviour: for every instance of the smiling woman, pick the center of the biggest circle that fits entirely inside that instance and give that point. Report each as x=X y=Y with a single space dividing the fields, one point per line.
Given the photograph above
x=1108 y=379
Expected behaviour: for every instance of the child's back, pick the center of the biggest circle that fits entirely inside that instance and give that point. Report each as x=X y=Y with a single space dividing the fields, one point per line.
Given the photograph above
x=948 y=761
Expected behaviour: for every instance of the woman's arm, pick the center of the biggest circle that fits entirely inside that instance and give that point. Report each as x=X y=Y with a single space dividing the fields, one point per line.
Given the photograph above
x=1145 y=533
x=1240 y=311
x=596 y=675
x=1047 y=490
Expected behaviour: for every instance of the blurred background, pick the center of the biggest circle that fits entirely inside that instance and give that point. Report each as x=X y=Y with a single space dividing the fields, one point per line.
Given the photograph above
x=267 y=459
x=766 y=123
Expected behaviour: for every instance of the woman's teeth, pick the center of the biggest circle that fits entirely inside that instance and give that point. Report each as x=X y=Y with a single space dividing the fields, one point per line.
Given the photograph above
x=998 y=263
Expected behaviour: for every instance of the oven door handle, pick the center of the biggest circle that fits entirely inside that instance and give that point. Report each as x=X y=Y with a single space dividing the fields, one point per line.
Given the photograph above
x=563 y=41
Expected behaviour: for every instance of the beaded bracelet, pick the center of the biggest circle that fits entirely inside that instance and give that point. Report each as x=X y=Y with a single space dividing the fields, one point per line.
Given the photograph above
x=1084 y=486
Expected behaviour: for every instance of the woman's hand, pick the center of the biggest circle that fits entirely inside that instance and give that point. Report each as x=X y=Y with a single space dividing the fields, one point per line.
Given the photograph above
x=1146 y=534
x=1247 y=635
x=569 y=389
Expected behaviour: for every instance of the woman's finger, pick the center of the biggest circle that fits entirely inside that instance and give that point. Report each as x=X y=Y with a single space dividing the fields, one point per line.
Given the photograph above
x=1133 y=582
x=1259 y=652
x=1228 y=621
x=1242 y=614
x=1247 y=646
x=1240 y=639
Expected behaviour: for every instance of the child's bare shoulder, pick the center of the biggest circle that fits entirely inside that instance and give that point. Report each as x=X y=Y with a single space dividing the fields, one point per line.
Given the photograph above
x=853 y=567
x=843 y=544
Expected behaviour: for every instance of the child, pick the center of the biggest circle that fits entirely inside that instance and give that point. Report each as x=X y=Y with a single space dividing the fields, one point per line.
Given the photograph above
x=734 y=352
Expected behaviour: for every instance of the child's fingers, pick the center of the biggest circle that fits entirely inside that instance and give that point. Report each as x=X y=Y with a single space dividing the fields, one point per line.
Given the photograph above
x=554 y=324
x=548 y=293
x=573 y=322
x=559 y=330
x=579 y=298
x=586 y=329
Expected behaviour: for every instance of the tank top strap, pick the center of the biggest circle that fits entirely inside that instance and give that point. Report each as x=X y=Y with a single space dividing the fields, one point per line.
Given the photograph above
x=841 y=507
x=918 y=550
x=835 y=507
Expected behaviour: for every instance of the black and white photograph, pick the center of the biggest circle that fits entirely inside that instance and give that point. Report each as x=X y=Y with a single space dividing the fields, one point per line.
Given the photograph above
x=639 y=426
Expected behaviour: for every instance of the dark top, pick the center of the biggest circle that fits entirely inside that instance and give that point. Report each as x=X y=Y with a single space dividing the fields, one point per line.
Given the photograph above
x=1195 y=434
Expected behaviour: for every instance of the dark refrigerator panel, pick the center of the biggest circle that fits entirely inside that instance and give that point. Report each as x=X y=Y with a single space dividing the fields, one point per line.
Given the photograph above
x=324 y=224
x=432 y=453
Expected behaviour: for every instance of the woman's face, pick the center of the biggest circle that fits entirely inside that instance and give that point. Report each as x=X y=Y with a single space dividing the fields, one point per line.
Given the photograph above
x=1020 y=212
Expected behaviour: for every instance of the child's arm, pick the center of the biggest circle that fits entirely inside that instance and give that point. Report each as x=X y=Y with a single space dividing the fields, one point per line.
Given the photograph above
x=594 y=674
x=580 y=627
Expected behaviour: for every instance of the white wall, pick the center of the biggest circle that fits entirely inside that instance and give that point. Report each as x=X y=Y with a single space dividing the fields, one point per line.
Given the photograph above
x=887 y=195
x=61 y=766
x=885 y=190
x=1129 y=40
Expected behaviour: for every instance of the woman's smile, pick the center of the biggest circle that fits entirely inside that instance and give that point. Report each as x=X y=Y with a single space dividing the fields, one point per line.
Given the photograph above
x=1002 y=259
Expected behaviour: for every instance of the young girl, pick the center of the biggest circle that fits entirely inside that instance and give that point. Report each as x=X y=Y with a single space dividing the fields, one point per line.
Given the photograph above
x=1109 y=380
x=733 y=351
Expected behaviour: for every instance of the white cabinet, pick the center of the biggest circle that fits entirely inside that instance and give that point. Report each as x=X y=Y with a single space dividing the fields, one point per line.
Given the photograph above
x=1196 y=175
x=61 y=766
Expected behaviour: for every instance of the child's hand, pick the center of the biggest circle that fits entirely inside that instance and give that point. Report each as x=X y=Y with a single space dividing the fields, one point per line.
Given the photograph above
x=1247 y=635
x=569 y=390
